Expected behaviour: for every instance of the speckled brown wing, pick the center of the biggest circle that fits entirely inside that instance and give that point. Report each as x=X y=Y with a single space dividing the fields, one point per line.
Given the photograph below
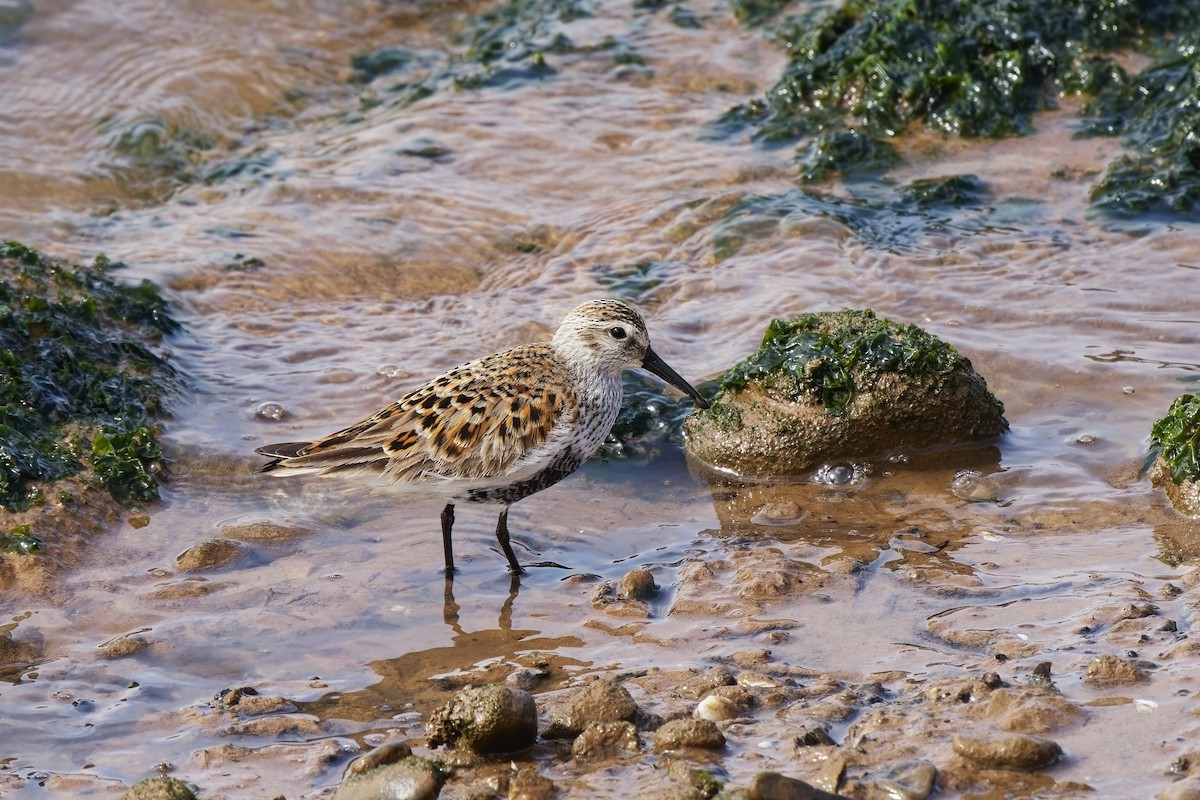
x=488 y=418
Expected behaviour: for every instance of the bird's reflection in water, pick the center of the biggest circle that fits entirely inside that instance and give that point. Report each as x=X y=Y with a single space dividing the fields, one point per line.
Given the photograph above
x=422 y=679
x=450 y=607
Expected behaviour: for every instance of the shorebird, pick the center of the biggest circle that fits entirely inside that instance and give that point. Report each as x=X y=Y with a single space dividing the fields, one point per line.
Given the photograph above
x=497 y=429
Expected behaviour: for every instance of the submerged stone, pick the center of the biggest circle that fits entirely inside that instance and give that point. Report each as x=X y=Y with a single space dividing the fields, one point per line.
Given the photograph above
x=841 y=385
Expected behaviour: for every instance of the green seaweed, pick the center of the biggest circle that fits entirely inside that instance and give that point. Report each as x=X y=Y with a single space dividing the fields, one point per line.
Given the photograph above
x=1158 y=114
x=20 y=541
x=820 y=354
x=155 y=156
x=848 y=153
x=1176 y=437
x=79 y=387
x=859 y=74
x=508 y=45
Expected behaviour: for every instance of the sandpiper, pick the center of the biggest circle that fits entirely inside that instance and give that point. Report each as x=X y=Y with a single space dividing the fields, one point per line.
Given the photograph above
x=497 y=429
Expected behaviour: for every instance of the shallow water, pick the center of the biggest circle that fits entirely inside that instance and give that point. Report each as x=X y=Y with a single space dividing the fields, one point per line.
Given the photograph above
x=396 y=241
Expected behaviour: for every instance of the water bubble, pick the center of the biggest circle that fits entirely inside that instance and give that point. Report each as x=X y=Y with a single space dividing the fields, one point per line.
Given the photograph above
x=836 y=474
x=1127 y=390
x=1086 y=438
x=974 y=487
x=271 y=411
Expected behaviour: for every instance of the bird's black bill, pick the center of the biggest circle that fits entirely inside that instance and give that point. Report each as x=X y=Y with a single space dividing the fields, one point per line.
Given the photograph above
x=655 y=365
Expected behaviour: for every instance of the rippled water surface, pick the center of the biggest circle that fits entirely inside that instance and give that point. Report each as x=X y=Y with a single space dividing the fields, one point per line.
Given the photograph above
x=330 y=246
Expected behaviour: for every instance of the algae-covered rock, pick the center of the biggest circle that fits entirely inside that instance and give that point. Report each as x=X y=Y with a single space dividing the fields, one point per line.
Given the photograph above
x=843 y=384
x=159 y=789
x=80 y=389
x=1175 y=448
x=486 y=719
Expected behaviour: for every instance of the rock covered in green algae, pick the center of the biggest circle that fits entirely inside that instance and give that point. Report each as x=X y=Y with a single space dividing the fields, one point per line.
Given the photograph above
x=1175 y=448
x=159 y=789
x=80 y=389
x=493 y=718
x=841 y=384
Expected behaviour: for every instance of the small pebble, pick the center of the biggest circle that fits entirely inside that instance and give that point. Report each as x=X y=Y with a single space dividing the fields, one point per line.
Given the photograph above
x=773 y=786
x=974 y=487
x=1007 y=751
x=381 y=756
x=638 y=584
x=603 y=700
x=1113 y=671
x=908 y=780
x=680 y=733
x=604 y=740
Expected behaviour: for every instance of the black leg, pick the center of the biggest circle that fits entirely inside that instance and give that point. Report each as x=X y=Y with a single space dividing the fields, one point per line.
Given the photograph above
x=447 y=547
x=502 y=538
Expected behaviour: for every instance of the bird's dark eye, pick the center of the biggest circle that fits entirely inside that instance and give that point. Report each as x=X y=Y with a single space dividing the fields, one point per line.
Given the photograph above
x=618 y=332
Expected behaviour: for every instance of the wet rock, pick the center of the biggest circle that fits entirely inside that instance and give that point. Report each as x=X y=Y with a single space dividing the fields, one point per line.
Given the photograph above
x=780 y=512
x=602 y=701
x=493 y=718
x=908 y=780
x=1179 y=791
x=159 y=789
x=263 y=532
x=1174 y=438
x=604 y=740
x=1033 y=710
x=681 y=733
x=716 y=708
x=381 y=756
x=724 y=703
x=811 y=393
x=526 y=677
x=210 y=554
x=1010 y=751
x=529 y=784
x=974 y=487
x=1137 y=611
x=814 y=736
x=638 y=584
x=1113 y=671
x=411 y=779
x=17 y=651
x=773 y=786
x=122 y=646
x=185 y=590
x=703 y=684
